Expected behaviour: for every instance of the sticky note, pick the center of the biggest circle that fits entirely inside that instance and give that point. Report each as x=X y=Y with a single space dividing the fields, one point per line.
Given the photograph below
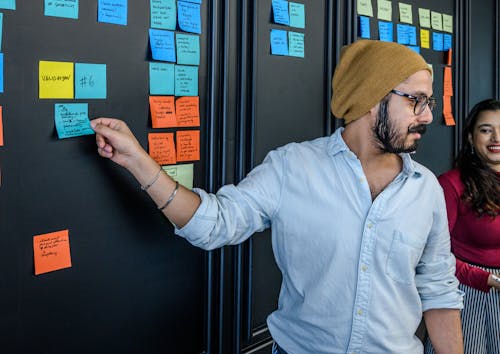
x=385 y=31
x=188 y=49
x=424 y=38
x=189 y=17
x=163 y=14
x=112 y=11
x=364 y=7
x=162 y=44
x=280 y=12
x=415 y=48
x=8 y=4
x=51 y=251
x=412 y=34
x=424 y=16
x=297 y=15
x=55 y=79
x=296 y=44
x=437 y=41
x=447 y=111
x=72 y=120
x=449 y=56
x=279 y=43
x=162 y=111
x=447 y=82
x=181 y=173
x=90 y=80
x=161 y=78
x=436 y=21
x=402 y=34
x=384 y=10
x=1 y=72
x=61 y=8
x=162 y=148
x=364 y=27
x=447 y=41
x=194 y=1
x=186 y=80
x=405 y=14
x=187 y=111
x=1 y=126
x=188 y=145
x=1 y=29
x=447 y=23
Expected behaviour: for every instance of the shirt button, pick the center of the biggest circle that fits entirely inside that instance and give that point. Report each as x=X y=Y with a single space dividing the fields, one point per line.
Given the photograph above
x=364 y=268
x=360 y=312
x=369 y=225
x=361 y=180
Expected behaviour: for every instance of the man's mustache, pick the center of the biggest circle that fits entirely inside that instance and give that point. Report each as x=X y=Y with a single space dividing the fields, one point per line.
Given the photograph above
x=421 y=129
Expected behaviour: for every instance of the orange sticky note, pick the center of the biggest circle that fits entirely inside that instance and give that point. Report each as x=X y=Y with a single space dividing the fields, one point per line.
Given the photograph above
x=1 y=127
x=162 y=148
x=162 y=111
x=448 y=57
x=447 y=82
x=188 y=145
x=447 y=111
x=187 y=111
x=51 y=251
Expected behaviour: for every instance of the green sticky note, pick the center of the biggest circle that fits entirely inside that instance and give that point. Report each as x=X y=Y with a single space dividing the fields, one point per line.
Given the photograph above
x=436 y=21
x=296 y=44
x=447 y=23
x=384 y=10
x=364 y=7
x=181 y=173
x=405 y=14
x=424 y=16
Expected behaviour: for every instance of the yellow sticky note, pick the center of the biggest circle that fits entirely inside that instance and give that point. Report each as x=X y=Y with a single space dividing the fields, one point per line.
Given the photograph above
x=384 y=10
x=436 y=21
x=55 y=79
x=364 y=7
x=405 y=14
x=447 y=23
x=424 y=38
x=181 y=173
x=424 y=16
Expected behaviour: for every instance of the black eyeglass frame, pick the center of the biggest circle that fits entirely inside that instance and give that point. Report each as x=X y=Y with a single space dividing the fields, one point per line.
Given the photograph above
x=428 y=101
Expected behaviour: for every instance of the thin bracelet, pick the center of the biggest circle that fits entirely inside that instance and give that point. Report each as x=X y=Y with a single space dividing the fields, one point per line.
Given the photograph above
x=145 y=188
x=169 y=200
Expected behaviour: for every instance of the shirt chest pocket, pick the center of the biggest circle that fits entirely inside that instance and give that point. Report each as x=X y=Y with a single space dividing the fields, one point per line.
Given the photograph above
x=403 y=257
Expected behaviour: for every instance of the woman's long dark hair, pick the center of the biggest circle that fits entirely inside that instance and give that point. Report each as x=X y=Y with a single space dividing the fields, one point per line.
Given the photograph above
x=482 y=184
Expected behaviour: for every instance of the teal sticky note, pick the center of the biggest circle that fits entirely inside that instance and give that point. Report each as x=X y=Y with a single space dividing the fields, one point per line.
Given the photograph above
x=437 y=41
x=112 y=11
x=162 y=45
x=163 y=14
x=364 y=27
x=194 y=1
x=402 y=34
x=186 y=80
x=8 y=4
x=279 y=43
x=1 y=29
x=188 y=49
x=61 y=8
x=90 y=80
x=72 y=119
x=415 y=48
x=161 y=78
x=297 y=15
x=189 y=17
x=280 y=12
x=296 y=44
x=385 y=31
x=447 y=41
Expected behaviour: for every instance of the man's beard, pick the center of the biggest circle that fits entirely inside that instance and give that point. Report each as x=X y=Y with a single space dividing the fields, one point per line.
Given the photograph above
x=387 y=138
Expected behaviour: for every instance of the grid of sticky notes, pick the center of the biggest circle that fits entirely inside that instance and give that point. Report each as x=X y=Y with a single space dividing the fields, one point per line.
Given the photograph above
x=174 y=40
x=434 y=31
x=283 y=41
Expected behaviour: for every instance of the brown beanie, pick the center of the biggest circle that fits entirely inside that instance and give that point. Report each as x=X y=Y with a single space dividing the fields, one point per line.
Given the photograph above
x=367 y=71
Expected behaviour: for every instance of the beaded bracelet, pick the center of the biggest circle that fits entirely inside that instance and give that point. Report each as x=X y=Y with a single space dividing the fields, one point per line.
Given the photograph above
x=169 y=200
x=145 y=188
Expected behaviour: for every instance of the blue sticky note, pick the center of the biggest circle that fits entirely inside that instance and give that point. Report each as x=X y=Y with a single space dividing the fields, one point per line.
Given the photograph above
x=186 y=80
x=412 y=34
x=90 y=80
x=279 y=43
x=364 y=27
x=8 y=4
x=1 y=29
x=112 y=11
x=447 y=41
x=1 y=72
x=437 y=41
x=162 y=45
x=280 y=12
x=61 y=8
x=161 y=79
x=188 y=49
x=385 y=31
x=296 y=44
x=415 y=48
x=297 y=15
x=72 y=119
x=194 y=1
x=189 y=17
x=163 y=14
x=402 y=34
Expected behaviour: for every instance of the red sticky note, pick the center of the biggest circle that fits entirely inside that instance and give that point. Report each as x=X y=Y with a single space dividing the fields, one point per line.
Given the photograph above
x=1 y=127
x=447 y=82
x=187 y=111
x=448 y=57
x=162 y=148
x=188 y=145
x=51 y=251
x=449 y=120
x=162 y=111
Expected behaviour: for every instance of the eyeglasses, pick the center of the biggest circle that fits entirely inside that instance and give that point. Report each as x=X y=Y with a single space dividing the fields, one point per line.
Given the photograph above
x=420 y=101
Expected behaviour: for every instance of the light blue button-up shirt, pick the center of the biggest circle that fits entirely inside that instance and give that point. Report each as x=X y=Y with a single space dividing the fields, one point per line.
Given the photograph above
x=357 y=274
